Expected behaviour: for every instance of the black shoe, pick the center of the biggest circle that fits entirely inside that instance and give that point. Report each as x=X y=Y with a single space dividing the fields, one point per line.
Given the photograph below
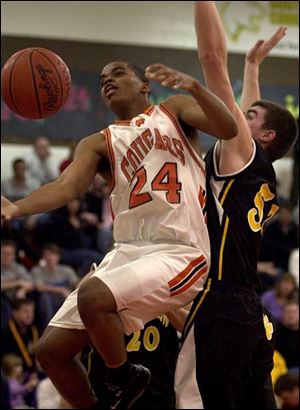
x=123 y=397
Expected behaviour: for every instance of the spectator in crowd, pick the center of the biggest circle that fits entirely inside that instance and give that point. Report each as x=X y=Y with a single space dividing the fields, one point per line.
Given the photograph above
x=294 y=264
x=287 y=390
x=76 y=239
x=280 y=238
x=15 y=279
x=294 y=194
x=53 y=281
x=19 y=386
x=19 y=335
x=287 y=335
x=5 y=403
x=40 y=162
x=95 y=211
x=19 y=185
x=66 y=162
x=284 y=291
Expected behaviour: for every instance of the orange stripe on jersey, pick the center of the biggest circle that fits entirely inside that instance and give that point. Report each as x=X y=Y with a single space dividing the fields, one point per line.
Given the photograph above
x=178 y=278
x=127 y=122
x=190 y=282
x=110 y=150
x=202 y=197
x=149 y=110
x=183 y=137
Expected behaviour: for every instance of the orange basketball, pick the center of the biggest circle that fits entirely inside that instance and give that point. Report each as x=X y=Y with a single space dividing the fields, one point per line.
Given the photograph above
x=35 y=83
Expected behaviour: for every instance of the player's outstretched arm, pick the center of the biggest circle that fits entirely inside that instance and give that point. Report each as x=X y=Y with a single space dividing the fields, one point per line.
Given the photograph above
x=254 y=57
x=234 y=154
x=71 y=184
x=204 y=111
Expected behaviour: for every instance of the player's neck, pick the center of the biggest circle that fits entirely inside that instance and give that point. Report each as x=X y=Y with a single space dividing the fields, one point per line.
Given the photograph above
x=129 y=112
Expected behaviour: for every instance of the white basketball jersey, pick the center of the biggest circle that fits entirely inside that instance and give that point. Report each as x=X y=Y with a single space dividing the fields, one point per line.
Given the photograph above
x=158 y=190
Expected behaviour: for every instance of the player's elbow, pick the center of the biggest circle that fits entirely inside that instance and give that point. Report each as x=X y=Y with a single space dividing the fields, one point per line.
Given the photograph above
x=212 y=58
x=231 y=130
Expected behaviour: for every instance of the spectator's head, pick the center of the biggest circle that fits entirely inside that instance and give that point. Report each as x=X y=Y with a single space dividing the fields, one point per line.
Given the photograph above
x=12 y=366
x=286 y=286
x=42 y=147
x=51 y=255
x=290 y=317
x=273 y=126
x=23 y=311
x=73 y=207
x=8 y=253
x=19 y=169
x=285 y=213
x=287 y=389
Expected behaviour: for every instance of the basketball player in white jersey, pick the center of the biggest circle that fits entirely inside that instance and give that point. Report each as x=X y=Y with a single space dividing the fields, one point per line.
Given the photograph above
x=161 y=255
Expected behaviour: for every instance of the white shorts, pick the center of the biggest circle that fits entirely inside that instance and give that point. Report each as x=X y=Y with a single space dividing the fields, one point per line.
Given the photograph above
x=146 y=279
x=186 y=388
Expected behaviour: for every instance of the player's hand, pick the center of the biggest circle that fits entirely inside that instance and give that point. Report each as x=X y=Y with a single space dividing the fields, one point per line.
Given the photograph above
x=263 y=47
x=168 y=77
x=8 y=209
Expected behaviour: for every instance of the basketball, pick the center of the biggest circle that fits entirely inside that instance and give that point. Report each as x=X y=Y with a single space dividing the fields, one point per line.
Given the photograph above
x=35 y=83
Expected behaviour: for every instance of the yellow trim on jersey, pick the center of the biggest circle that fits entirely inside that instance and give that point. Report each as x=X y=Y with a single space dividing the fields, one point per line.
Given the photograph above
x=20 y=343
x=226 y=191
x=199 y=303
x=89 y=361
x=222 y=248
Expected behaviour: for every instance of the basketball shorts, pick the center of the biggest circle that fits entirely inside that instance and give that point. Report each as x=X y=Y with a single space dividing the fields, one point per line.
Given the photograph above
x=146 y=279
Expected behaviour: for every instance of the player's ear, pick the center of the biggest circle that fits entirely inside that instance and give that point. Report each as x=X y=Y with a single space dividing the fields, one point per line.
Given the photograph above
x=268 y=136
x=146 y=88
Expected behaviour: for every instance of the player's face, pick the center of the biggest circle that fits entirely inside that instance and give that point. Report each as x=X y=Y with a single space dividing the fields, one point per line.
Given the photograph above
x=255 y=117
x=119 y=85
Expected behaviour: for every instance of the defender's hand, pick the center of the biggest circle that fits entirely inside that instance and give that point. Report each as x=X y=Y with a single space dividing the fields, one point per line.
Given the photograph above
x=263 y=47
x=8 y=209
x=168 y=77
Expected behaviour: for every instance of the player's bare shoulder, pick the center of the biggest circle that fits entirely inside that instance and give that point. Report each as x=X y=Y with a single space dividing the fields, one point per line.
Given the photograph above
x=93 y=143
x=175 y=103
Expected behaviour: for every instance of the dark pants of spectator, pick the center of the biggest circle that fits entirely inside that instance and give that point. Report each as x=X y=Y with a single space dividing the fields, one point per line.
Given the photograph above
x=80 y=259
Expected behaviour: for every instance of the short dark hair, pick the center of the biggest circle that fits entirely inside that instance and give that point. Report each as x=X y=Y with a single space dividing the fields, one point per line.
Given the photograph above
x=18 y=161
x=16 y=304
x=283 y=123
x=8 y=242
x=286 y=382
x=52 y=248
x=139 y=72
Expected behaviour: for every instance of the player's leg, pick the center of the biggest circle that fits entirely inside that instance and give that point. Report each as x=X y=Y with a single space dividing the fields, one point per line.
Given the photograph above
x=56 y=351
x=98 y=310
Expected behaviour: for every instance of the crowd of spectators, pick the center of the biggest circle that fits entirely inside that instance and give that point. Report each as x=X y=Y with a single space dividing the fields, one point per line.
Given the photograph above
x=43 y=258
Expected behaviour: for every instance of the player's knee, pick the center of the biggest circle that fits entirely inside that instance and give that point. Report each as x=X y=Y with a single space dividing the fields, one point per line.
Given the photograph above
x=94 y=296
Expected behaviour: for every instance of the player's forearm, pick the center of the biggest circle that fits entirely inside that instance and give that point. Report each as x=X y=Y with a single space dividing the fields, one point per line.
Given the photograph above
x=220 y=118
x=211 y=39
x=212 y=51
x=46 y=198
x=251 y=89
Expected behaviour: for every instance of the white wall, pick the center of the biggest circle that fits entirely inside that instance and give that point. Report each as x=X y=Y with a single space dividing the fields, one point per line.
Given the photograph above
x=150 y=23
x=11 y=151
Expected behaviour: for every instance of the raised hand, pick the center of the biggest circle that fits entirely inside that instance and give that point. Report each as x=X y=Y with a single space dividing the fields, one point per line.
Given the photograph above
x=168 y=77
x=263 y=47
x=8 y=209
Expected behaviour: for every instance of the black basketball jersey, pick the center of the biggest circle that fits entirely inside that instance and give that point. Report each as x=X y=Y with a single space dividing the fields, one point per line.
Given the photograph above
x=156 y=347
x=244 y=201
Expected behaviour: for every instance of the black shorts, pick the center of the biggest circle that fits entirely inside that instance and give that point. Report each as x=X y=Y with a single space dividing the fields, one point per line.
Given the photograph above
x=234 y=355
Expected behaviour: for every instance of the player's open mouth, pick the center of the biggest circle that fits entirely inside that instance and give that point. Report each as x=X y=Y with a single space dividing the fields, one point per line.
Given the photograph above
x=109 y=90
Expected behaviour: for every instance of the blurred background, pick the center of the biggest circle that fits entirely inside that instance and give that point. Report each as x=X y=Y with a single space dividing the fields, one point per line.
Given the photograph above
x=43 y=257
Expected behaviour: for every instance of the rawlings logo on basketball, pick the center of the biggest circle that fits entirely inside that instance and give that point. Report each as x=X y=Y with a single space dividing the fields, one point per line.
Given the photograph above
x=50 y=86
